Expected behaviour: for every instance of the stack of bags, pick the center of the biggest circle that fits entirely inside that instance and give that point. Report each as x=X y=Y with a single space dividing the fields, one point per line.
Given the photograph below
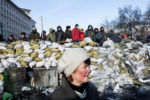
x=113 y=65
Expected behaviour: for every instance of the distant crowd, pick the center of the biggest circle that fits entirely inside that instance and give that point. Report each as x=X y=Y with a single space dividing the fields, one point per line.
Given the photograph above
x=76 y=34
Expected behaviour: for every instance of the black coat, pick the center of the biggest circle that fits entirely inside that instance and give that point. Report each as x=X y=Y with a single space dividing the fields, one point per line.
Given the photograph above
x=65 y=92
x=59 y=36
x=104 y=37
x=68 y=34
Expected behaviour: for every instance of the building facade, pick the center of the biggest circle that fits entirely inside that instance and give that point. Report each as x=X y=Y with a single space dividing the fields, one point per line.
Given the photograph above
x=14 y=20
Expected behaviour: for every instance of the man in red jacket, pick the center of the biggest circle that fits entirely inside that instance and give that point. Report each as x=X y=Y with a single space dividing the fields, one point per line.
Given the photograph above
x=76 y=33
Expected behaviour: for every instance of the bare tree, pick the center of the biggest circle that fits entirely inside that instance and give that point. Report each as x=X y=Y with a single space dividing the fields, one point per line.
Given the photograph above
x=147 y=15
x=128 y=18
x=113 y=24
x=107 y=24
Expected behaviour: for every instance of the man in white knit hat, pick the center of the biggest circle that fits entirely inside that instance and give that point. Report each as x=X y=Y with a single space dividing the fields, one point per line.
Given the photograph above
x=74 y=65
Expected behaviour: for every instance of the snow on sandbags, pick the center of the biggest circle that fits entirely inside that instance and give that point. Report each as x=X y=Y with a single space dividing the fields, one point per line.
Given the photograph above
x=114 y=64
x=26 y=47
x=68 y=44
x=108 y=43
x=88 y=48
x=88 y=39
x=48 y=43
x=11 y=60
x=32 y=64
x=40 y=64
x=5 y=63
x=48 y=63
x=43 y=46
x=28 y=59
x=41 y=56
x=69 y=40
x=2 y=47
x=54 y=45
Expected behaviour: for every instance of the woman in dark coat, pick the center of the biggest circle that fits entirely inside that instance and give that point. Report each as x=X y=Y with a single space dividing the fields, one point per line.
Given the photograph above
x=59 y=34
x=74 y=65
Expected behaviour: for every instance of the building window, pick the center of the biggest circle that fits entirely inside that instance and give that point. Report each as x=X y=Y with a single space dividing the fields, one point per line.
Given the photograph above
x=2 y=2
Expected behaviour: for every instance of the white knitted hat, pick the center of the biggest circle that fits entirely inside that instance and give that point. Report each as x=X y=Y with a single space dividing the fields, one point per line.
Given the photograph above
x=71 y=59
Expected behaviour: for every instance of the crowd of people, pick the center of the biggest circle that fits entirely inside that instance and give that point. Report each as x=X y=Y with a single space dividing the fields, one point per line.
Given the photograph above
x=76 y=34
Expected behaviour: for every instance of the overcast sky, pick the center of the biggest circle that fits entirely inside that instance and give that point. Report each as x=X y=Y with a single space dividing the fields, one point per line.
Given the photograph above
x=70 y=12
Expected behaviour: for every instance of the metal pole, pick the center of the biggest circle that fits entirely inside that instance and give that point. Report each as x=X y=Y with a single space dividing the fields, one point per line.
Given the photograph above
x=42 y=23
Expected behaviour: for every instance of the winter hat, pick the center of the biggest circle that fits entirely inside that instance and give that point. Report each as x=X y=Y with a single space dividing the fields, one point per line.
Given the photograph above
x=71 y=59
x=81 y=29
x=23 y=33
x=76 y=25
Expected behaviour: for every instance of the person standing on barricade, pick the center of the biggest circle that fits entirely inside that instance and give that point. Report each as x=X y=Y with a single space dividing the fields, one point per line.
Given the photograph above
x=11 y=39
x=76 y=33
x=90 y=33
x=23 y=37
x=43 y=35
x=81 y=34
x=34 y=35
x=59 y=34
x=51 y=35
x=68 y=33
x=104 y=37
x=98 y=36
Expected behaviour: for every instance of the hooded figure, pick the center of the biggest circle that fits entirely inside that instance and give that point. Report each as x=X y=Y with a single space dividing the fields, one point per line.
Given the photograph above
x=34 y=35
x=90 y=33
x=74 y=66
x=51 y=35
x=59 y=34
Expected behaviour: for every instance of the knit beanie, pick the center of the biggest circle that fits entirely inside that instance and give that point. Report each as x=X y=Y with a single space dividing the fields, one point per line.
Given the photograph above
x=71 y=59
